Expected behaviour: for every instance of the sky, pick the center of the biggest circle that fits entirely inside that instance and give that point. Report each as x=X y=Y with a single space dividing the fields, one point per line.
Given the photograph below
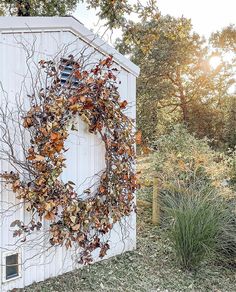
x=207 y=15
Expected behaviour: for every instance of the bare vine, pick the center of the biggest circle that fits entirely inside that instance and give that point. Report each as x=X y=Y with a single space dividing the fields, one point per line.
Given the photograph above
x=92 y=95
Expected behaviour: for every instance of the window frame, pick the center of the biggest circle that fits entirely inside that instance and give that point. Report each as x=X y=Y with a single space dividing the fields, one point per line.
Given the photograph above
x=4 y=265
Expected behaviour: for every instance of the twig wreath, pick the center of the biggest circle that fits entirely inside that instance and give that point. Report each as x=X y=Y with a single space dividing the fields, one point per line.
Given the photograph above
x=92 y=95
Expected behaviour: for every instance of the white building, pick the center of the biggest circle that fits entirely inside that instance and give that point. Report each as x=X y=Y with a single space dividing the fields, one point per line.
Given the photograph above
x=24 y=41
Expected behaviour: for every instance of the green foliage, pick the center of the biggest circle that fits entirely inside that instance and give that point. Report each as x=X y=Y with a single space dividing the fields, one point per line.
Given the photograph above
x=182 y=156
x=201 y=225
x=226 y=241
x=111 y=10
x=232 y=167
x=197 y=196
x=38 y=7
x=230 y=123
x=225 y=39
x=177 y=83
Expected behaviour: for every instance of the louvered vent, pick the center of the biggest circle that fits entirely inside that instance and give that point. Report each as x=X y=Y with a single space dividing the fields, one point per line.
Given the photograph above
x=66 y=74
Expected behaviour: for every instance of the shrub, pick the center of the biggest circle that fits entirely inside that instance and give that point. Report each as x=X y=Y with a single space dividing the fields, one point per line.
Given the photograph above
x=181 y=156
x=197 y=185
x=232 y=167
x=199 y=223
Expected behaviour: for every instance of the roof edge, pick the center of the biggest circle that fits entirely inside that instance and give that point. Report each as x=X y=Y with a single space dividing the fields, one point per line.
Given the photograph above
x=10 y=24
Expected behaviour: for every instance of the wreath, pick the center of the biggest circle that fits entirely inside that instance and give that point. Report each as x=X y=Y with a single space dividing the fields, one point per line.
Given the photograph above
x=93 y=95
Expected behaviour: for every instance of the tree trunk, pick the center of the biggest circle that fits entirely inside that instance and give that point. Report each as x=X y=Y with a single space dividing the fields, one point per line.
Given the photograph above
x=184 y=109
x=183 y=99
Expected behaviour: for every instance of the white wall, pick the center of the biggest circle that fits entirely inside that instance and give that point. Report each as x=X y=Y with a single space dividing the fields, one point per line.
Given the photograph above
x=84 y=159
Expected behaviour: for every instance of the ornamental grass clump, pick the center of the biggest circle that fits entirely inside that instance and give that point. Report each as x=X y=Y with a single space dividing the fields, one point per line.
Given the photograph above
x=197 y=218
x=226 y=241
x=197 y=186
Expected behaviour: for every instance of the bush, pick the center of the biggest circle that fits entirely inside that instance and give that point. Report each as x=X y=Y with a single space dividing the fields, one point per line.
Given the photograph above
x=232 y=167
x=197 y=187
x=200 y=225
x=181 y=156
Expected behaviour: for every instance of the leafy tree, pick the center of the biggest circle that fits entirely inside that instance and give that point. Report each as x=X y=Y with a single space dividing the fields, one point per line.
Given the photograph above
x=36 y=8
x=112 y=10
x=225 y=39
x=177 y=83
x=230 y=122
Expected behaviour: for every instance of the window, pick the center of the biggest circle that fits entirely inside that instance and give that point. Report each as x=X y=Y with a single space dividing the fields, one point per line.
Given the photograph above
x=12 y=266
x=11 y=263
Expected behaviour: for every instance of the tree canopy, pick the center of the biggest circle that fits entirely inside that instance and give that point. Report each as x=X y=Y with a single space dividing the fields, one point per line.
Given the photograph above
x=177 y=83
x=225 y=39
x=111 y=10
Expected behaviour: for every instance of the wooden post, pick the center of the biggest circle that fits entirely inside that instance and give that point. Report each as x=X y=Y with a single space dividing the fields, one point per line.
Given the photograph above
x=155 y=203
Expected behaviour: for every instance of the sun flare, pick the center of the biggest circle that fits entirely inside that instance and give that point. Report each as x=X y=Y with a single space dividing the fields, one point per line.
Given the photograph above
x=214 y=61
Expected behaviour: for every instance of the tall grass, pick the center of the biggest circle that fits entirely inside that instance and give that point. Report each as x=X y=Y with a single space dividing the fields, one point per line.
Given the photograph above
x=197 y=219
x=226 y=242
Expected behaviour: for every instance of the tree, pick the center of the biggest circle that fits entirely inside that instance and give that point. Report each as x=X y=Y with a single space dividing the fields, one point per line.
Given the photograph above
x=225 y=39
x=230 y=123
x=111 y=10
x=37 y=8
x=177 y=83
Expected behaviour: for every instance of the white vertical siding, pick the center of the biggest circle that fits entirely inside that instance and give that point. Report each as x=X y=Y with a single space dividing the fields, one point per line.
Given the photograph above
x=84 y=159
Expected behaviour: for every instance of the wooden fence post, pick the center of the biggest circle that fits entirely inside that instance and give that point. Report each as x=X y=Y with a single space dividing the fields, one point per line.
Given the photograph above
x=155 y=203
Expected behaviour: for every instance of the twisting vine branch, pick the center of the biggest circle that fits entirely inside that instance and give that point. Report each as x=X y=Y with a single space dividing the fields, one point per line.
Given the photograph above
x=91 y=94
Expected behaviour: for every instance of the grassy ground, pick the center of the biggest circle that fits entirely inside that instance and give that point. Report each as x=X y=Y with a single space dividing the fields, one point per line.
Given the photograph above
x=150 y=268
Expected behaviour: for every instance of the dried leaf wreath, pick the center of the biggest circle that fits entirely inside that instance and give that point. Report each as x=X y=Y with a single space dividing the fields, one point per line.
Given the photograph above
x=92 y=95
